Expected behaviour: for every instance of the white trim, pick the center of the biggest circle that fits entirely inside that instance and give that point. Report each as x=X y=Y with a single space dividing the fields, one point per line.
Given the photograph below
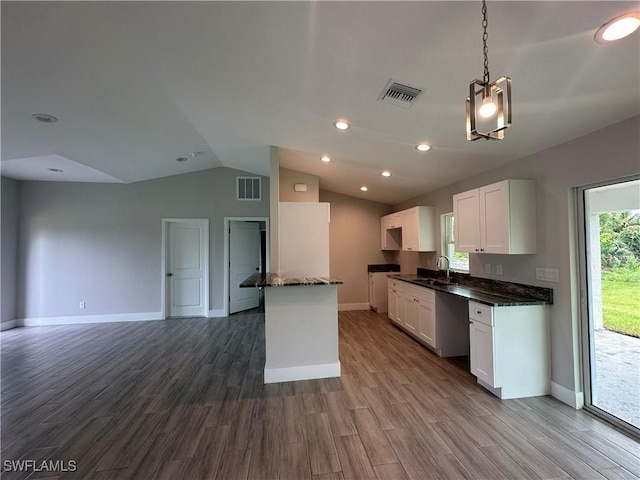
x=306 y=372
x=9 y=324
x=344 y=307
x=571 y=398
x=225 y=293
x=115 y=317
x=218 y=313
x=163 y=263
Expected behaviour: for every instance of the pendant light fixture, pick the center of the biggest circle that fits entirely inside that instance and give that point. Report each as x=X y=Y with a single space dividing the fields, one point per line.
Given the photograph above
x=488 y=103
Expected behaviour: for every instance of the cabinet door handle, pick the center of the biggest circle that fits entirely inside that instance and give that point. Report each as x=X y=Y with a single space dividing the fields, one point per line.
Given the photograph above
x=478 y=312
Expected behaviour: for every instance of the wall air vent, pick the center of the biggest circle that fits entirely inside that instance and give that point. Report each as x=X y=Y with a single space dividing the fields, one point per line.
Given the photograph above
x=399 y=94
x=249 y=188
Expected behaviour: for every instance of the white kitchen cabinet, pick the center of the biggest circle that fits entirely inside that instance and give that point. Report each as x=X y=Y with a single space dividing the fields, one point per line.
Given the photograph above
x=414 y=309
x=466 y=221
x=509 y=349
x=410 y=310
x=411 y=230
x=392 y=304
x=390 y=231
x=393 y=220
x=427 y=319
x=496 y=218
x=418 y=229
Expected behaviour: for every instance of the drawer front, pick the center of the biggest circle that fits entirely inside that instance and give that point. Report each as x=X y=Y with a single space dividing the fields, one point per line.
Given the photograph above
x=481 y=312
x=421 y=293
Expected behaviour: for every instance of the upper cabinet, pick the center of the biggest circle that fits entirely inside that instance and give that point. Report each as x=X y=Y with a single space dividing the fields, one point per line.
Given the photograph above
x=410 y=230
x=390 y=233
x=418 y=229
x=497 y=218
x=393 y=220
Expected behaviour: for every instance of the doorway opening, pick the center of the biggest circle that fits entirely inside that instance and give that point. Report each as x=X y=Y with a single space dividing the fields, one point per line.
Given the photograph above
x=610 y=274
x=246 y=247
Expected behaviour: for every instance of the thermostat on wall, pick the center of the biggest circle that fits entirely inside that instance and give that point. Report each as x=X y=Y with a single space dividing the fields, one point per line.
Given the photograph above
x=300 y=187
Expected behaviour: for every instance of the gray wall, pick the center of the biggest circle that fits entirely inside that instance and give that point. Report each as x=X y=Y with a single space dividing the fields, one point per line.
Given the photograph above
x=101 y=243
x=288 y=178
x=9 y=240
x=354 y=242
x=606 y=154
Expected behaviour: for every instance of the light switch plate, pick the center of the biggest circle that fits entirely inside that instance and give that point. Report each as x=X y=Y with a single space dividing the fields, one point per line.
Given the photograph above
x=487 y=268
x=498 y=269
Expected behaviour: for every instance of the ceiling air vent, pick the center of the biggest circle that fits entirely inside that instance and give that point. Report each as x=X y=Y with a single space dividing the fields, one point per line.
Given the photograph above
x=399 y=94
x=248 y=188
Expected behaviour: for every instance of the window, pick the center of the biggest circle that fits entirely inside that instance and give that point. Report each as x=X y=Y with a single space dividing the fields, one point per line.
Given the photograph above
x=248 y=188
x=459 y=260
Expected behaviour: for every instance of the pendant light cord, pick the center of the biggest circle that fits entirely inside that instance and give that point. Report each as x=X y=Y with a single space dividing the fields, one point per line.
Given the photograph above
x=485 y=49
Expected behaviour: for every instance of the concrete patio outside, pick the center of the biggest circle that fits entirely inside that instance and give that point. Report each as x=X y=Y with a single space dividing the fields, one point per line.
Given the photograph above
x=617 y=373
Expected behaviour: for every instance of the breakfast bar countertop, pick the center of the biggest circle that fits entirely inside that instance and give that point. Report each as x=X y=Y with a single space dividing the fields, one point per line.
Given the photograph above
x=280 y=280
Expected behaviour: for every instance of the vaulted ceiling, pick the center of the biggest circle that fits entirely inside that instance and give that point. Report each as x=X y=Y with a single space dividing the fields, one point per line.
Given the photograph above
x=135 y=85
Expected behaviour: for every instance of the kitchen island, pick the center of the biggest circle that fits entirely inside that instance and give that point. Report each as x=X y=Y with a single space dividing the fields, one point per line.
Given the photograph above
x=301 y=326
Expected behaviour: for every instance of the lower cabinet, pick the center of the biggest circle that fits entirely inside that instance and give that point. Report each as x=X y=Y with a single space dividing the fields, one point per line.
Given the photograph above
x=427 y=321
x=509 y=349
x=410 y=305
x=392 y=300
x=413 y=309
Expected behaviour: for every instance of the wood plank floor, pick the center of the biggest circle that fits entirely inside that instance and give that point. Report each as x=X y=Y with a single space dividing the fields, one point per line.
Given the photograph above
x=184 y=399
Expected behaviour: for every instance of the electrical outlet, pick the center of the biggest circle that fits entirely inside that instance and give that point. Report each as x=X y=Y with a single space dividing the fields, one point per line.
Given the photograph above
x=498 y=269
x=547 y=274
x=83 y=305
x=428 y=262
x=487 y=268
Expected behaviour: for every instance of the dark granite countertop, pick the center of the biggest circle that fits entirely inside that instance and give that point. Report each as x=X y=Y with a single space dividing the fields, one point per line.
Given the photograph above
x=279 y=280
x=489 y=292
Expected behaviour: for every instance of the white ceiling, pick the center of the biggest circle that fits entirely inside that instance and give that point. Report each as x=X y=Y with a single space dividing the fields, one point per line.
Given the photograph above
x=137 y=84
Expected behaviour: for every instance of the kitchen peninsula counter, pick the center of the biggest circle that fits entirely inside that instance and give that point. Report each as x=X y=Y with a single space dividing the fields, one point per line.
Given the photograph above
x=301 y=326
x=279 y=280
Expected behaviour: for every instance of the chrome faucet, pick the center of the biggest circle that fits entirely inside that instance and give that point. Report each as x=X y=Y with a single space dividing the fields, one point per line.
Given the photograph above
x=439 y=265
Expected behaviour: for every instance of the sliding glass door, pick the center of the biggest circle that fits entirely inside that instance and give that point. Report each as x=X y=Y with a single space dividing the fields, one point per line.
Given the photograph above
x=610 y=258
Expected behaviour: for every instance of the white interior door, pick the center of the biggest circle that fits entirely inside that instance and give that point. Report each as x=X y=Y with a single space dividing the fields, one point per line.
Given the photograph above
x=187 y=260
x=244 y=259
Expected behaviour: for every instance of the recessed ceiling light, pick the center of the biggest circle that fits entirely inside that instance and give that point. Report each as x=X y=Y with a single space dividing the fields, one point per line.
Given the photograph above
x=181 y=159
x=618 y=28
x=342 y=124
x=55 y=170
x=386 y=173
x=423 y=147
x=325 y=158
x=44 y=118
x=363 y=188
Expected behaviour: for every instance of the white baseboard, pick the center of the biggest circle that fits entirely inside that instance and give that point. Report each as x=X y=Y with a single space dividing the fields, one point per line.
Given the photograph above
x=571 y=398
x=116 y=317
x=306 y=372
x=8 y=325
x=343 y=307
x=216 y=313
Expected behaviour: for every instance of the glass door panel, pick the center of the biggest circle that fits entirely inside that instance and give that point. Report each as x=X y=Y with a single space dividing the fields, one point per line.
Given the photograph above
x=610 y=247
